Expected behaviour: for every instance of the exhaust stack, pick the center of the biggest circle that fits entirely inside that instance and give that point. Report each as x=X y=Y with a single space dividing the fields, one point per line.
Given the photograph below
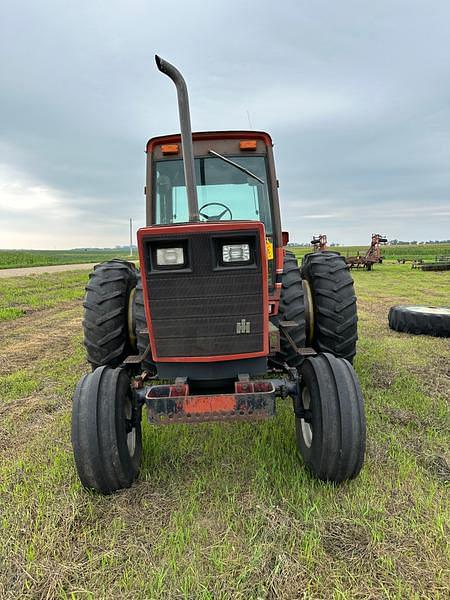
x=186 y=133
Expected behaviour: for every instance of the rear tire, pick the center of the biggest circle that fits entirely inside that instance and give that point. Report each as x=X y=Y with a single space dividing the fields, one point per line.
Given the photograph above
x=106 y=323
x=106 y=431
x=332 y=438
x=292 y=308
x=334 y=304
x=142 y=337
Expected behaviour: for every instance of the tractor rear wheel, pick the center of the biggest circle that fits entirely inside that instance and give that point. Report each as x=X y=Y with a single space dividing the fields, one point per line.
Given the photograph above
x=334 y=316
x=106 y=430
x=292 y=308
x=142 y=337
x=107 y=324
x=331 y=434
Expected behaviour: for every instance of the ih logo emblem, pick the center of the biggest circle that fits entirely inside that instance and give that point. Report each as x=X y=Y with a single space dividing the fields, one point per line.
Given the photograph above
x=243 y=326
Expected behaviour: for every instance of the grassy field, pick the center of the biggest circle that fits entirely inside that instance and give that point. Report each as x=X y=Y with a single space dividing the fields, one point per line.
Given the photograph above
x=225 y=511
x=42 y=258
x=427 y=252
x=11 y=259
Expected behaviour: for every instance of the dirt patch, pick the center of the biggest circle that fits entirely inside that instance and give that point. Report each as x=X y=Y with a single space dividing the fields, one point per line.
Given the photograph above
x=439 y=466
x=435 y=377
x=400 y=416
x=346 y=540
x=5 y=273
x=382 y=377
x=377 y=451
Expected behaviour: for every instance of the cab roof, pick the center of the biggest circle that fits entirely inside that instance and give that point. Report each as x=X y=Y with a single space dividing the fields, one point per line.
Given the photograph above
x=210 y=135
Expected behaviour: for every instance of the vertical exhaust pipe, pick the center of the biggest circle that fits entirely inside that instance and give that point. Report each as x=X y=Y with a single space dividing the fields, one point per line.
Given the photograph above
x=186 y=133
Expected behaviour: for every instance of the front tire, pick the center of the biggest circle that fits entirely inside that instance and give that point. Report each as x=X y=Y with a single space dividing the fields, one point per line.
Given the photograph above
x=331 y=436
x=106 y=431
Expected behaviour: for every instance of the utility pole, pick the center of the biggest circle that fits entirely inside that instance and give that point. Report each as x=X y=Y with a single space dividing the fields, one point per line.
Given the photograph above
x=131 y=236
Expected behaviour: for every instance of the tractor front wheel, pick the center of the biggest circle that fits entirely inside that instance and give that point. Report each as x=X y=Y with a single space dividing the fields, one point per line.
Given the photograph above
x=330 y=422
x=106 y=430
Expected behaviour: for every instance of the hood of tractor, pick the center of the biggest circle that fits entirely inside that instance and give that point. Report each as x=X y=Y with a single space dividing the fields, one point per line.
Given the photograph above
x=206 y=291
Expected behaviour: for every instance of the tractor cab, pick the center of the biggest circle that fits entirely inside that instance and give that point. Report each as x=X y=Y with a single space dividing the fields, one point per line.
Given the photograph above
x=235 y=181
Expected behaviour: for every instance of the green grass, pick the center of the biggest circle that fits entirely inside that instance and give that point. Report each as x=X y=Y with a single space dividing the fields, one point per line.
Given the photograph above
x=227 y=510
x=10 y=313
x=23 y=295
x=36 y=258
x=10 y=259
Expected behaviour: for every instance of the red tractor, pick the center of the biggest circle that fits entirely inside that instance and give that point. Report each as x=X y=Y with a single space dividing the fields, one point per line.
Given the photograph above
x=220 y=312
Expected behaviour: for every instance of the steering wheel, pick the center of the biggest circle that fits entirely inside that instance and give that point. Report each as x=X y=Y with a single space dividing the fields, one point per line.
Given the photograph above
x=214 y=217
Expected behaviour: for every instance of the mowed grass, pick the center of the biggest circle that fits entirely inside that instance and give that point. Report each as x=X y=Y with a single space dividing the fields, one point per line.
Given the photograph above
x=10 y=259
x=23 y=295
x=226 y=510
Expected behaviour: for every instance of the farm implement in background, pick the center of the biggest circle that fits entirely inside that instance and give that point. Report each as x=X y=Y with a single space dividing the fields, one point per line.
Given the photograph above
x=442 y=263
x=319 y=242
x=371 y=257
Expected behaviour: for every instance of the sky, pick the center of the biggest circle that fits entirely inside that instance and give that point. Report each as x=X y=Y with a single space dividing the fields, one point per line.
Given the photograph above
x=355 y=94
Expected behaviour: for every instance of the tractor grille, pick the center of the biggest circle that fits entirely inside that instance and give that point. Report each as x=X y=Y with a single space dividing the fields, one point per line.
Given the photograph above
x=198 y=310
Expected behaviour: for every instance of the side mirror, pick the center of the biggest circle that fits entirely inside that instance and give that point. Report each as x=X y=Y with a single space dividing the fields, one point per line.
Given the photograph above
x=285 y=237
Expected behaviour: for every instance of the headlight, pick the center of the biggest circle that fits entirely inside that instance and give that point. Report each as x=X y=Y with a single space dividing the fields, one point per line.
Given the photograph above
x=169 y=256
x=236 y=253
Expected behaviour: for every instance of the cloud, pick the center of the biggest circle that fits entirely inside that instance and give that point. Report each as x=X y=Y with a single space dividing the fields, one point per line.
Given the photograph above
x=355 y=96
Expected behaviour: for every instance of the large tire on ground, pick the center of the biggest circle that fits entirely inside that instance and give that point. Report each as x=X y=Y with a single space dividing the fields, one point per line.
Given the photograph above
x=108 y=334
x=425 y=320
x=292 y=308
x=332 y=436
x=334 y=304
x=142 y=337
x=106 y=431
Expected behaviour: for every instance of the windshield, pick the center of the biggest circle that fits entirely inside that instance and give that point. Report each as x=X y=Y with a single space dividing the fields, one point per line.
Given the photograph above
x=229 y=193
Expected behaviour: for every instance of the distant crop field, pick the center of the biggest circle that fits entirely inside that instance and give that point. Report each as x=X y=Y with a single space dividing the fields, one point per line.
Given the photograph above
x=11 y=259
x=427 y=252
x=225 y=511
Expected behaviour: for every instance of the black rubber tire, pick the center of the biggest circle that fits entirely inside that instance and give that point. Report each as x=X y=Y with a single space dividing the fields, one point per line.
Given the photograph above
x=292 y=308
x=335 y=315
x=424 y=320
x=337 y=420
x=142 y=338
x=105 y=323
x=99 y=431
